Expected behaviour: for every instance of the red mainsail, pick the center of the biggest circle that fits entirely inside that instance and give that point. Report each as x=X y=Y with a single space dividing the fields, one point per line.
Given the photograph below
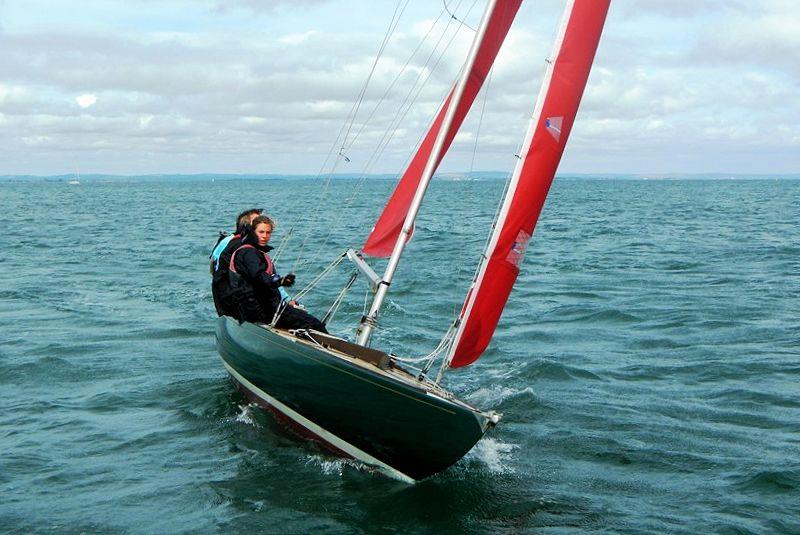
x=383 y=237
x=556 y=108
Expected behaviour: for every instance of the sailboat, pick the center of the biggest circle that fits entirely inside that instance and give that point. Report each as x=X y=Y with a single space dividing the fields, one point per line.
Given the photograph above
x=363 y=403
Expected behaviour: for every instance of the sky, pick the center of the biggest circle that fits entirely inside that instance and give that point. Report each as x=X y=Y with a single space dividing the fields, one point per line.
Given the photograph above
x=266 y=86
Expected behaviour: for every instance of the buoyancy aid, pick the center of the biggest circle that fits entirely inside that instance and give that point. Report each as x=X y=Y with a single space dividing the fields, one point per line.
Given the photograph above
x=245 y=304
x=219 y=259
x=222 y=242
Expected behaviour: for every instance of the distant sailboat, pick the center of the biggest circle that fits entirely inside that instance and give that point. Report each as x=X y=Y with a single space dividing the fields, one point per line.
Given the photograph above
x=361 y=402
x=75 y=180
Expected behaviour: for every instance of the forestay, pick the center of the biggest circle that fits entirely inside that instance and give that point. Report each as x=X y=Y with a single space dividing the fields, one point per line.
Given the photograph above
x=553 y=118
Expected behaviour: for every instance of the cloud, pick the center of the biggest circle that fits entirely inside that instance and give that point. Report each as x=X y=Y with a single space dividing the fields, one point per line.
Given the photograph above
x=715 y=82
x=296 y=38
x=680 y=9
x=259 y=6
x=86 y=100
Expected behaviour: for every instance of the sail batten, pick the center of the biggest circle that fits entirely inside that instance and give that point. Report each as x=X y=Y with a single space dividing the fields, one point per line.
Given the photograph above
x=382 y=239
x=554 y=114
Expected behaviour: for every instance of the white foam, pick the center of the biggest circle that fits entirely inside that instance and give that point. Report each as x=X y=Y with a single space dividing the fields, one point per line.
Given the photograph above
x=329 y=467
x=496 y=455
x=335 y=467
x=495 y=395
x=246 y=415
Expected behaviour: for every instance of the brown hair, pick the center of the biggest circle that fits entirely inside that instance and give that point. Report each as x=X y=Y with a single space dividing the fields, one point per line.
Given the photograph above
x=242 y=219
x=263 y=219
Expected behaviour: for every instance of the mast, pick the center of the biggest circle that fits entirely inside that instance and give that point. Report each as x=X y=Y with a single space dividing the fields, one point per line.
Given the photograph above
x=370 y=321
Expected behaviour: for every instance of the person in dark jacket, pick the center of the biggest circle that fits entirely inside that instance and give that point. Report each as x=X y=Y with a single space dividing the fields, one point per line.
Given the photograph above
x=221 y=257
x=255 y=283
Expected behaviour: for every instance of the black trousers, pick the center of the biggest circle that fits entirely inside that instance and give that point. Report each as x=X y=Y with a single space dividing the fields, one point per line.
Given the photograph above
x=248 y=308
x=297 y=318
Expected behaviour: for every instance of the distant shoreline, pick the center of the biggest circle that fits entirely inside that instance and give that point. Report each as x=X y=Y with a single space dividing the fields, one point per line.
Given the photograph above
x=479 y=176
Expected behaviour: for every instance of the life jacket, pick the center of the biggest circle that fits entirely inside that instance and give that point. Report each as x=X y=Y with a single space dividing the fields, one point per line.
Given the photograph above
x=219 y=260
x=241 y=295
x=219 y=247
x=270 y=270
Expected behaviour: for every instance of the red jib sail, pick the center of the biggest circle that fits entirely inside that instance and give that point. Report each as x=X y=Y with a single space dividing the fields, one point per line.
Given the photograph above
x=383 y=237
x=555 y=112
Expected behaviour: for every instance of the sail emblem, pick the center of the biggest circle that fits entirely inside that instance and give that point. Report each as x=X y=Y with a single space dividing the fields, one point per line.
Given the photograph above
x=518 y=248
x=553 y=125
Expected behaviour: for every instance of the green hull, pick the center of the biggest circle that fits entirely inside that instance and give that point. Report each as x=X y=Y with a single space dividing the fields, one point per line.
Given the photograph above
x=383 y=417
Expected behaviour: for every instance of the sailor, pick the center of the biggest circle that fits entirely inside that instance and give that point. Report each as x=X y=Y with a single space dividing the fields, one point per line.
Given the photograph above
x=221 y=256
x=256 y=286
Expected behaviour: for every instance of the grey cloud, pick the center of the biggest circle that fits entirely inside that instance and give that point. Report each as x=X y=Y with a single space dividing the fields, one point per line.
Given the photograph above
x=226 y=101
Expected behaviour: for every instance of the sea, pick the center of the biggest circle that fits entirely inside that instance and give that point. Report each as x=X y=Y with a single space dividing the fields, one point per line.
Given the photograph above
x=647 y=365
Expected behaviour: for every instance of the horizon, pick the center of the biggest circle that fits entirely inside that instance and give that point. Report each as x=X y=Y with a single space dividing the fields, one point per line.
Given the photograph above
x=446 y=176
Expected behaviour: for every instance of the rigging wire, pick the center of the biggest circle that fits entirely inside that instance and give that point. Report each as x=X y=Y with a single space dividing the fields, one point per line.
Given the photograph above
x=411 y=97
x=282 y=244
x=480 y=120
x=351 y=116
x=285 y=302
x=452 y=15
x=388 y=134
x=406 y=105
x=360 y=98
x=319 y=277
x=396 y=79
x=398 y=120
x=365 y=171
x=328 y=317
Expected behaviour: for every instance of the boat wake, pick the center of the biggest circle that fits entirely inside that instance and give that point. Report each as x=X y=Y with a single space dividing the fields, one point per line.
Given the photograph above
x=495 y=455
x=496 y=395
x=335 y=467
x=245 y=415
x=329 y=467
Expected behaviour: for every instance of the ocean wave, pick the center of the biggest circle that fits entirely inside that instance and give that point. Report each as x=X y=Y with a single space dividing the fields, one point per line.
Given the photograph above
x=496 y=456
x=771 y=481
